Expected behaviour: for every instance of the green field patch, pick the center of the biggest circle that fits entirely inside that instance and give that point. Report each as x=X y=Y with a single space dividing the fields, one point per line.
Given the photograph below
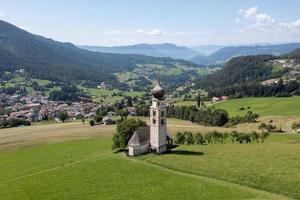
x=109 y=95
x=41 y=82
x=284 y=106
x=276 y=67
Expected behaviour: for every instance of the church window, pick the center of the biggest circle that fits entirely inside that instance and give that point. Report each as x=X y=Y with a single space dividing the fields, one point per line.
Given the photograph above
x=162 y=121
x=153 y=121
x=162 y=113
x=154 y=113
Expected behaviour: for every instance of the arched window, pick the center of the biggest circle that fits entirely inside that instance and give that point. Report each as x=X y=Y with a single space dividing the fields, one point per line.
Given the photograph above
x=153 y=121
x=154 y=113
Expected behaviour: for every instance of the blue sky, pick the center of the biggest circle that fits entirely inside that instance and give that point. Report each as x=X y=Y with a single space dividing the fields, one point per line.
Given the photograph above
x=183 y=22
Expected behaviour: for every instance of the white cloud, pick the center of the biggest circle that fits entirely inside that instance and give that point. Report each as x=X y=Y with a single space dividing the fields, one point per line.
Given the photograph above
x=257 y=19
x=153 y=32
x=292 y=25
x=248 y=13
x=254 y=20
x=261 y=27
x=1 y=14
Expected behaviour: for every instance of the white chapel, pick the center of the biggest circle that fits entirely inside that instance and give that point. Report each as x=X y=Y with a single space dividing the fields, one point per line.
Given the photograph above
x=155 y=137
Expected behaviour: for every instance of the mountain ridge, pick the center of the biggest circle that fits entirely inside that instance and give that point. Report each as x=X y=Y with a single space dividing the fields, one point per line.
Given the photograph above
x=157 y=50
x=39 y=56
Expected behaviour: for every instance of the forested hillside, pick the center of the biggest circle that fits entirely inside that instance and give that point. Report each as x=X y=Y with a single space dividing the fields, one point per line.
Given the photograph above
x=294 y=54
x=261 y=75
x=238 y=71
x=48 y=59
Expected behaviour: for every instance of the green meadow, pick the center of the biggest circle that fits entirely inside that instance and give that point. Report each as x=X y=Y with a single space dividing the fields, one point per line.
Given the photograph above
x=273 y=166
x=268 y=106
x=88 y=169
x=75 y=161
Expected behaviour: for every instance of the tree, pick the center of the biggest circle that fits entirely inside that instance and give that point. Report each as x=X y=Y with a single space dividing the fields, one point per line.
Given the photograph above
x=125 y=130
x=198 y=100
x=98 y=118
x=219 y=117
x=123 y=113
x=63 y=116
x=92 y=122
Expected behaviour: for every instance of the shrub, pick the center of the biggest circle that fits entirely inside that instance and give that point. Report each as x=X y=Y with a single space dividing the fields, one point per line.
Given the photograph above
x=243 y=137
x=267 y=127
x=251 y=117
x=14 y=123
x=189 y=138
x=295 y=126
x=199 y=138
x=208 y=137
x=263 y=136
x=179 y=138
x=254 y=136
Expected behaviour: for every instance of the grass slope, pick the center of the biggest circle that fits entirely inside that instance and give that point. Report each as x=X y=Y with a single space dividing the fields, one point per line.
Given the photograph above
x=39 y=168
x=87 y=169
x=273 y=166
x=285 y=106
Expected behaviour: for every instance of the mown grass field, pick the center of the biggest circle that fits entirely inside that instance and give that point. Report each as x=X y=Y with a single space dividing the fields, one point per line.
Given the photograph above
x=75 y=161
x=273 y=166
x=269 y=106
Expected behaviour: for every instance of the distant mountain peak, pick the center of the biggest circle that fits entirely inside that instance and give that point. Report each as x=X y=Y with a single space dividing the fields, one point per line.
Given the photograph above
x=156 y=50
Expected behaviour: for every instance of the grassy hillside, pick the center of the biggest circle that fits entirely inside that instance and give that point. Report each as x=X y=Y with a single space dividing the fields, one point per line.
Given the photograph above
x=285 y=106
x=272 y=166
x=87 y=169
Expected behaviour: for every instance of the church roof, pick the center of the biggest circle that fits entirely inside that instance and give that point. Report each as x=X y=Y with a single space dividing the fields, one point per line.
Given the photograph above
x=140 y=137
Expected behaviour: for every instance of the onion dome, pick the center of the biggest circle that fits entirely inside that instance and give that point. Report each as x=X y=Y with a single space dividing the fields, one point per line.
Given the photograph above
x=158 y=92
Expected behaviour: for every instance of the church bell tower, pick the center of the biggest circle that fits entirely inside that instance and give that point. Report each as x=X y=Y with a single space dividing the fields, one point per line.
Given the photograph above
x=158 y=120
